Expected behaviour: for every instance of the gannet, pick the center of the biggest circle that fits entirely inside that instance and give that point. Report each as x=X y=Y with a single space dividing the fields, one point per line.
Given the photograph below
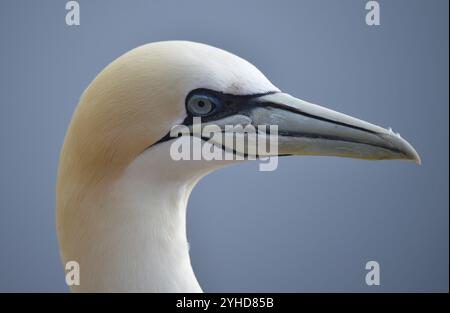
x=121 y=199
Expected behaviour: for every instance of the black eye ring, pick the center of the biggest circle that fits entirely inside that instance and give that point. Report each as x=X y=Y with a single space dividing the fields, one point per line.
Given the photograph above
x=201 y=105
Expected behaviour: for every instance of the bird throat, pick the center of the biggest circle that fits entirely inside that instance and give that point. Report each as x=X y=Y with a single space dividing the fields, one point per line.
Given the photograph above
x=132 y=237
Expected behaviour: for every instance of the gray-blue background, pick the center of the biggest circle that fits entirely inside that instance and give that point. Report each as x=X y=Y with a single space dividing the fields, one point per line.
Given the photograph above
x=309 y=226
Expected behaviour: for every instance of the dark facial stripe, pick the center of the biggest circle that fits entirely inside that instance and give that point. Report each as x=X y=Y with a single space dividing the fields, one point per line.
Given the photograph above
x=229 y=105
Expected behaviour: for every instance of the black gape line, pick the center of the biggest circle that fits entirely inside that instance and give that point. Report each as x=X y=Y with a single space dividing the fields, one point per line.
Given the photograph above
x=228 y=104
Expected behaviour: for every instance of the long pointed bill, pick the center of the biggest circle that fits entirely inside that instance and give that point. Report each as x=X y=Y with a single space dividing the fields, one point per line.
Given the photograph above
x=309 y=129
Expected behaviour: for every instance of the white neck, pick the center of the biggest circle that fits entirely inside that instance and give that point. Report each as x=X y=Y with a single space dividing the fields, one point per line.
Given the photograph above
x=132 y=237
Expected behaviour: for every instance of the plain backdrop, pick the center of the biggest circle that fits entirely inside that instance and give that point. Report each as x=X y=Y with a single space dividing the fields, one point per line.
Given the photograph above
x=312 y=224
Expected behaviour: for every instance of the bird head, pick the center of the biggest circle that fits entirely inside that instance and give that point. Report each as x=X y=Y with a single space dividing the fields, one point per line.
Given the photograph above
x=134 y=103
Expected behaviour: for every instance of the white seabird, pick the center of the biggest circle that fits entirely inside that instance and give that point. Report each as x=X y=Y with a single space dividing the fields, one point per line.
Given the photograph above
x=121 y=199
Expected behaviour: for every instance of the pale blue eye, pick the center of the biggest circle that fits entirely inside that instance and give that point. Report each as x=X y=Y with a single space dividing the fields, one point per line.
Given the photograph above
x=201 y=105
